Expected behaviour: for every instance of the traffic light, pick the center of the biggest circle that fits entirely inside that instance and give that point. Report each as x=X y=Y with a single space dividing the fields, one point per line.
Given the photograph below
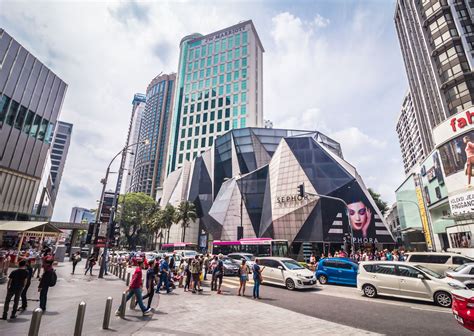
x=301 y=190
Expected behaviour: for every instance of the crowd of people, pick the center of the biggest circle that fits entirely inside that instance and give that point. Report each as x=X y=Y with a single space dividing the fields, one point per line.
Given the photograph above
x=163 y=274
x=30 y=263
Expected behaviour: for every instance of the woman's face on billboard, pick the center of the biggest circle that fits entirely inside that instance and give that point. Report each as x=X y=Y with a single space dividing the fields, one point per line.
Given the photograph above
x=360 y=216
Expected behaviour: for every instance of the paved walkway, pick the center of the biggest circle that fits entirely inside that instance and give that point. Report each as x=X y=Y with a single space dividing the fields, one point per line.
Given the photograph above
x=178 y=313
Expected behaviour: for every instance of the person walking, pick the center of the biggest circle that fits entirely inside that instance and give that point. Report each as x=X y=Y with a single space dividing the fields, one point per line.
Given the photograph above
x=206 y=265
x=219 y=272
x=37 y=264
x=213 y=266
x=135 y=288
x=47 y=280
x=16 y=282
x=150 y=282
x=91 y=263
x=257 y=278
x=24 y=302
x=194 y=268
x=164 y=274
x=75 y=260
x=188 y=274
x=181 y=273
x=244 y=276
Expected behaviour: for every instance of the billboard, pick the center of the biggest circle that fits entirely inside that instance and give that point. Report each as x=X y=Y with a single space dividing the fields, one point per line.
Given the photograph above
x=455 y=142
x=364 y=219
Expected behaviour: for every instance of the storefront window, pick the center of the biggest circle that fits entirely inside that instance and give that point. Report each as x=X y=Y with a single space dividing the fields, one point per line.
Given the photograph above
x=453 y=154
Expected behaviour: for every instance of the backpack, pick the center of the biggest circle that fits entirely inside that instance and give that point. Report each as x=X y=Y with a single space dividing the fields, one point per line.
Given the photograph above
x=54 y=279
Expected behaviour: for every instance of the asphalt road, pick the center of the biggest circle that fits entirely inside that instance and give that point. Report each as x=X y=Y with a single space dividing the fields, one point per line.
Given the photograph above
x=345 y=305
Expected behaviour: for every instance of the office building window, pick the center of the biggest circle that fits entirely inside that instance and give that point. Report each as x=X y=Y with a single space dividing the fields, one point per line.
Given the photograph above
x=227 y=112
x=219 y=114
x=204 y=129
x=244 y=51
x=226 y=126
x=180 y=158
x=211 y=128
x=188 y=145
x=203 y=142
x=243 y=109
x=244 y=85
x=211 y=141
x=212 y=115
x=244 y=37
x=242 y=123
x=219 y=127
x=235 y=111
x=235 y=123
x=244 y=97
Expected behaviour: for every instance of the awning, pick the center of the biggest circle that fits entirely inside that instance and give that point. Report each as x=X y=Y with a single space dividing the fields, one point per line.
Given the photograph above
x=25 y=226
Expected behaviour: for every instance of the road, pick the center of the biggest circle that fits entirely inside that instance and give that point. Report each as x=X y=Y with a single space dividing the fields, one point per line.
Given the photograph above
x=346 y=305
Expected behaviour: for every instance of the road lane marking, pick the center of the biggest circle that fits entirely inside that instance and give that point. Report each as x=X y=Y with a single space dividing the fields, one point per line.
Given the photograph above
x=447 y=311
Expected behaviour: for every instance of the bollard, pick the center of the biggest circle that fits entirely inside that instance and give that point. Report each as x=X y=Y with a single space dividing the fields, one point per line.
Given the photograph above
x=81 y=311
x=108 y=310
x=133 y=301
x=128 y=279
x=124 y=272
x=35 y=322
x=123 y=304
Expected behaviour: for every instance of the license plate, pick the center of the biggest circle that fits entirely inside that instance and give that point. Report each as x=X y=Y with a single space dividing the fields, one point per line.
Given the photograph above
x=458 y=318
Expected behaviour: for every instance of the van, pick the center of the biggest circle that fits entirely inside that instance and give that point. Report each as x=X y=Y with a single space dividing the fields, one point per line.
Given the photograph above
x=438 y=261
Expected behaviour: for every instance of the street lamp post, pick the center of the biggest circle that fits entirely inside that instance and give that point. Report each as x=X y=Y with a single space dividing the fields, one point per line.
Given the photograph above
x=114 y=201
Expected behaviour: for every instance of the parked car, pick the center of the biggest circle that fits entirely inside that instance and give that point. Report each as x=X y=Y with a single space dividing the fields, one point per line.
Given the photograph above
x=409 y=281
x=439 y=262
x=463 y=308
x=185 y=253
x=338 y=271
x=249 y=258
x=286 y=272
x=231 y=267
x=463 y=273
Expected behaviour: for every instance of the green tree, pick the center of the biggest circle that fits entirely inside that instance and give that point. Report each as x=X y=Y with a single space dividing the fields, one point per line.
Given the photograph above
x=185 y=213
x=152 y=223
x=165 y=219
x=133 y=215
x=383 y=207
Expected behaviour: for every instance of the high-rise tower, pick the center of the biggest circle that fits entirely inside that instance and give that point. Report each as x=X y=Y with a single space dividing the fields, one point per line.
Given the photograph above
x=219 y=87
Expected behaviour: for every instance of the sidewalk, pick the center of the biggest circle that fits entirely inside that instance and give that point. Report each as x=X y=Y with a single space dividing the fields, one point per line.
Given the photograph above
x=178 y=313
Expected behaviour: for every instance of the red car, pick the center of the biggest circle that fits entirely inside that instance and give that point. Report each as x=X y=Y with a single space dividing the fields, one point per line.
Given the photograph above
x=463 y=307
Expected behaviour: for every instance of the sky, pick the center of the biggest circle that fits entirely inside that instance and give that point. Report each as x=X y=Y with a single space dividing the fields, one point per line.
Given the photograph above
x=330 y=65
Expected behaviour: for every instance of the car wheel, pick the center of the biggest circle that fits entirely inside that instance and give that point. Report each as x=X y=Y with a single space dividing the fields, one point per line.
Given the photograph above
x=323 y=279
x=443 y=299
x=290 y=284
x=369 y=291
x=470 y=286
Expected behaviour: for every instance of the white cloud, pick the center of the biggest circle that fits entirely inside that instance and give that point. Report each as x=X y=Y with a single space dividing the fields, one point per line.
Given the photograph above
x=335 y=79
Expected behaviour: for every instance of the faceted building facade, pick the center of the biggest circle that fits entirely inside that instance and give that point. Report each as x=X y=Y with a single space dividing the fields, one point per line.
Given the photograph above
x=219 y=87
x=150 y=161
x=31 y=96
x=249 y=178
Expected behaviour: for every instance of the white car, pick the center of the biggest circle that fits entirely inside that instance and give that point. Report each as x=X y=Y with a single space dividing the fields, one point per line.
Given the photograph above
x=249 y=258
x=186 y=253
x=439 y=262
x=463 y=273
x=286 y=272
x=399 y=279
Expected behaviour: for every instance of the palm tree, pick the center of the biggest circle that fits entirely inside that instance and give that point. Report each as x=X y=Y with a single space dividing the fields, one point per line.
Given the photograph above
x=166 y=218
x=152 y=221
x=185 y=213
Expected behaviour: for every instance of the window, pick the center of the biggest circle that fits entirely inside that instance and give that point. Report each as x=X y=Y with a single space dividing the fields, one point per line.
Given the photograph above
x=430 y=259
x=222 y=68
x=196 y=130
x=211 y=128
x=227 y=112
x=226 y=126
x=244 y=51
x=180 y=158
x=237 y=53
x=244 y=73
x=190 y=132
x=229 y=66
x=183 y=133
x=231 y=42
x=42 y=129
x=381 y=269
x=20 y=117
x=221 y=102
x=219 y=114
x=235 y=123
x=211 y=141
x=244 y=61
x=243 y=123
x=460 y=260
x=204 y=129
x=219 y=127
x=12 y=113
x=204 y=116
x=212 y=115
x=227 y=89
x=188 y=145
x=237 y=39
x=235 y=99
x=244 y=97
x=181 y=145
x=3 y=107
x=407 y=271
x=236 y=75
x=35 y=127
x=203 y=142
x=244 y=37
x=244 y=85
x=196 y=143
x=235 y=111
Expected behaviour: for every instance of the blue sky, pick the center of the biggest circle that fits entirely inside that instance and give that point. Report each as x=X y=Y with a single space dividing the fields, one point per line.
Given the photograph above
x=330 y=65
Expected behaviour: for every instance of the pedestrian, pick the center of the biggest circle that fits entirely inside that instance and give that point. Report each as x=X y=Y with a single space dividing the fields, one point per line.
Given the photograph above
x=75 y=260
x=181 y=272
x=214 y=279
x=219 y=272
x=47 y=280
x=194 y=268
x=91 y=262
x=187 y=271
x=206 y=265
x=244 y=276
x=28 y=283
x=257 y=278
x=37 y=263
x=16 y=282
x=150 y=282
x=135 y=288
x=164 y=274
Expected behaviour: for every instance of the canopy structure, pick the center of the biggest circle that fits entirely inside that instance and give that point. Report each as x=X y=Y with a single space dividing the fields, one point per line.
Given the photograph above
x=30 y=229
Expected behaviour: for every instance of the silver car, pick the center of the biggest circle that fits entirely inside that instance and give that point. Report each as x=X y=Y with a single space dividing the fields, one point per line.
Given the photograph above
x=463 y=273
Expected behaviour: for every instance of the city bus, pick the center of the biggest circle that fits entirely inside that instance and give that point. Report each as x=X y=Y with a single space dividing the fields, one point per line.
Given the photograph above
x=171 y=247
x=259 y=247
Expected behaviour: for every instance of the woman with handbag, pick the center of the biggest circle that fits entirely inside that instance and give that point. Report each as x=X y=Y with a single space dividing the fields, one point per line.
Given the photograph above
x=244 y=276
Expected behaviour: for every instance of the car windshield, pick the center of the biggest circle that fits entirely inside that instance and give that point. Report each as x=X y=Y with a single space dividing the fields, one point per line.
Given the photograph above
x=430 y=272
x=292 y=265
x=460 y=267
x=227 y=260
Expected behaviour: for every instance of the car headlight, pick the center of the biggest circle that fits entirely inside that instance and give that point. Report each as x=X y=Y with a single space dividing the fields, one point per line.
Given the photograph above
x=456 y=286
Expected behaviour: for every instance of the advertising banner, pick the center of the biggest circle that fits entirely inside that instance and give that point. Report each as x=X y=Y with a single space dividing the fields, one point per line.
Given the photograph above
x=423 y=216
x=366 y=222
x=455 y=141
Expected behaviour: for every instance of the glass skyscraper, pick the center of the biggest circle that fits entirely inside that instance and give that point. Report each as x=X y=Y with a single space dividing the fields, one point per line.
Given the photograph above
x=150 y=161
x=219 y=87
